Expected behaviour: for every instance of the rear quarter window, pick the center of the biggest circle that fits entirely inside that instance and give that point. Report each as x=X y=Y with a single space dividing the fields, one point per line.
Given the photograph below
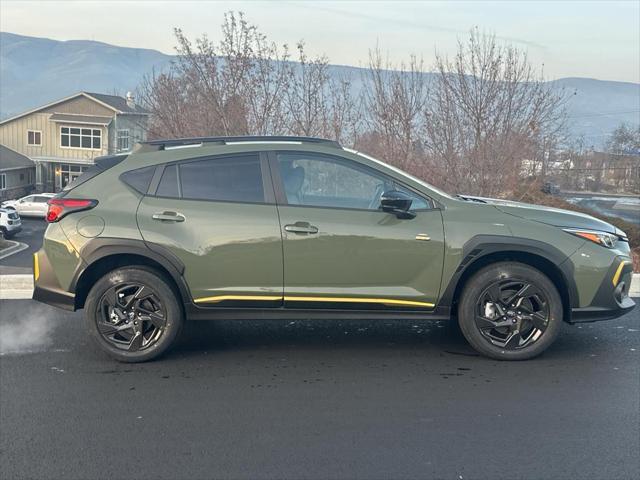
x=139 y=179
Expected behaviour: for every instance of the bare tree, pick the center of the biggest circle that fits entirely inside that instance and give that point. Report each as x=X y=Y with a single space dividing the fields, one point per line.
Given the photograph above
x=307 y=95
x=394 y=102
x=488 y=111
x=234 y=87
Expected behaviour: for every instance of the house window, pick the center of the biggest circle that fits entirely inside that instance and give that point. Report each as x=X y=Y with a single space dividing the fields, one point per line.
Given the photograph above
x=123 y=140
x=86 y=138
x=3 y=181
x=34 y=138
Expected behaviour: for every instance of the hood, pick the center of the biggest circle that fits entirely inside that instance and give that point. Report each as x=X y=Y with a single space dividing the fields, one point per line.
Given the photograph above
x=549 y=215
x=8 y=202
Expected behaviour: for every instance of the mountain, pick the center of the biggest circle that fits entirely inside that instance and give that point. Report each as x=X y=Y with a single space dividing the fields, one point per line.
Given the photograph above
x=36 y=71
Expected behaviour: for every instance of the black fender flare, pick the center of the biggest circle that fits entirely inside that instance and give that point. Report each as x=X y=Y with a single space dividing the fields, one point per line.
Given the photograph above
x=99 y=248
x=481 y=246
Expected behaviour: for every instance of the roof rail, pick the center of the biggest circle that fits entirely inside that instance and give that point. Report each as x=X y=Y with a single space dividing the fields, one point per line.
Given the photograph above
x=197 y=141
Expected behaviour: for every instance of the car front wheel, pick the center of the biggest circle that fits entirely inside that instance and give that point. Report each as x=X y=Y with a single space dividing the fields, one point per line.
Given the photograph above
x=510 y=311
x=133 y=314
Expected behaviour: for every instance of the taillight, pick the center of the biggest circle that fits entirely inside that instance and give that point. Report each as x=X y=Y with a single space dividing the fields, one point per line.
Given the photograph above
x=59 y=207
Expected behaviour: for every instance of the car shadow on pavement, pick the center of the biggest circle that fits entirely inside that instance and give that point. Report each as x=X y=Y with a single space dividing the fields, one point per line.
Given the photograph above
x=240 y=334
x=433 y=338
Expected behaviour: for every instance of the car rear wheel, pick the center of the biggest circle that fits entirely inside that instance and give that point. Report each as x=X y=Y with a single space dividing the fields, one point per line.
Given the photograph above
x=510 y=311
x=133 y=314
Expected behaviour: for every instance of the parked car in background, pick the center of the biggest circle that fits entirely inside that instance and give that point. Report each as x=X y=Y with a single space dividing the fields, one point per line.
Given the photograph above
x=550 y=188
x=30 y=206
x=10 y=222
x=290 y=227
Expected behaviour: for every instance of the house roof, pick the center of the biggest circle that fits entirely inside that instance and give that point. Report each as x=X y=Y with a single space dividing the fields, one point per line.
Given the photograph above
x=118 y=103
x=10 y=159
x=113 y=102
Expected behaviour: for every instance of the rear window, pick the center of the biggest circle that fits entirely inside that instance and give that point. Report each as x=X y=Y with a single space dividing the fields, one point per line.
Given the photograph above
x=102 y=164
x=13 y=215
x=232 y=179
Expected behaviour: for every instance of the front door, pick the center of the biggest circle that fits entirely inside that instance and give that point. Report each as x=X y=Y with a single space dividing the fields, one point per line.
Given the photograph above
x=218 y=216
x=341 y=251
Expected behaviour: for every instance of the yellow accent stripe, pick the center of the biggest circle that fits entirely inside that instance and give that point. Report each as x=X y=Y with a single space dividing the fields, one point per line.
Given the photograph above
x=221 y=298
x=36 y=267
x=616 y=277
x=385 y=301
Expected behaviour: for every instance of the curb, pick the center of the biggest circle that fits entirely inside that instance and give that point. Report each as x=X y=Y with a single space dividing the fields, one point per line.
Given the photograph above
x=15 y=248
x=15 y=287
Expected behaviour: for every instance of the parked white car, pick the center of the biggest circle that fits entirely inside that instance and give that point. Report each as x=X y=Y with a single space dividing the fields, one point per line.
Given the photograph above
x=30 y=206
x=10 y=222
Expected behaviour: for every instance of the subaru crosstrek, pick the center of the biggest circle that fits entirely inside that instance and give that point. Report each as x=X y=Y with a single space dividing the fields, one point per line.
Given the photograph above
x=289 y=227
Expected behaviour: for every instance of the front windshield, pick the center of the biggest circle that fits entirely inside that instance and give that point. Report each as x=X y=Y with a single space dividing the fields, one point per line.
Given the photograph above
x=395 y=169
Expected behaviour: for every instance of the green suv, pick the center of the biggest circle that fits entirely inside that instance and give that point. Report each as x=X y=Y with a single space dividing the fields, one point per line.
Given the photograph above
x=290 y=227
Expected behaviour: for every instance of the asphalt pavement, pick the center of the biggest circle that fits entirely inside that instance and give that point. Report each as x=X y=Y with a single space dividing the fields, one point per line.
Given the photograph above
x=313 y=399
x=31 y=234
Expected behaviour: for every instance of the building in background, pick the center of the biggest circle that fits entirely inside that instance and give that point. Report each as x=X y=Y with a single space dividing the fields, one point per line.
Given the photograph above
x=17 y=174
x=63 y=138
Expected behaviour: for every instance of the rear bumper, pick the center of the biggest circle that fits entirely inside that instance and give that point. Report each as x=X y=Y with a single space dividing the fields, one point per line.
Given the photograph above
x=55 y=298
x=612 y=298
x=46 y=286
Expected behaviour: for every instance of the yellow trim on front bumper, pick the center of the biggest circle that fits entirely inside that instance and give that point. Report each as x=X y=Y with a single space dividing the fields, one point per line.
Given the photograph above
x=616 y=277
x=36 y=267
x=383 y=301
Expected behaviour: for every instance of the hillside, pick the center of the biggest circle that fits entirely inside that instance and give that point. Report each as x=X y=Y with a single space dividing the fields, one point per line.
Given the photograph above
x=35 y=71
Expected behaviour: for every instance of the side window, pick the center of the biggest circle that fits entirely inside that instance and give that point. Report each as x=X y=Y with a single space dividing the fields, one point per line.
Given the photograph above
x=168 y=186
x=139 y=179
x=234 y=179
x=322 y=181
x=418 y=203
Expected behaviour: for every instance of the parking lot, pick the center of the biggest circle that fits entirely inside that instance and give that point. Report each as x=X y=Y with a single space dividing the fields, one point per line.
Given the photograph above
x=312 y=399
x=31 y=234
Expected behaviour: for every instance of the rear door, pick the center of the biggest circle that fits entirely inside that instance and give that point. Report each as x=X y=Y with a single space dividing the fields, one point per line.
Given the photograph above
x=341 y=250
x=218 y=215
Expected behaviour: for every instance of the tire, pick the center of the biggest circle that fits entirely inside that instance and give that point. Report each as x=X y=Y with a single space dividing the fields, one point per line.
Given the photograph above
x=133 y=314
x=501 y=326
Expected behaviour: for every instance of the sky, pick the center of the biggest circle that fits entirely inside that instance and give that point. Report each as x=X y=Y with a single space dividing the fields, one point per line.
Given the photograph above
x=595 y=39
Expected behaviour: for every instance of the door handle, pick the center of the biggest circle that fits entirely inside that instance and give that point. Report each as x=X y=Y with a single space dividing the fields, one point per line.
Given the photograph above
x=169 y=217
x=301 y=227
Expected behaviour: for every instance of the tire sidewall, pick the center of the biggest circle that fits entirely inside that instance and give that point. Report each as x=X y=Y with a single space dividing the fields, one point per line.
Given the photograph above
x=145 y=276
x=508 y=271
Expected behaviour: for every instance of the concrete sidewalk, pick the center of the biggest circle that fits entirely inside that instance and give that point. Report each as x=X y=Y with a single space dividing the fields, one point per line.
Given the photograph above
x=14 y=287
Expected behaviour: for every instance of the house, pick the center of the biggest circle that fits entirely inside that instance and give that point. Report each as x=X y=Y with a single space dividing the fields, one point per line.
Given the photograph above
x=17 y=174
x=63 y=138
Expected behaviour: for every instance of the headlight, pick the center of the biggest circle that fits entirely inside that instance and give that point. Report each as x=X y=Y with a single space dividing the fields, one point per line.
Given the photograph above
x=606 y=239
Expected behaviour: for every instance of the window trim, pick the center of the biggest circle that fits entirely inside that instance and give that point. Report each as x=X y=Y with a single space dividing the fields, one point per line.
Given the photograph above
x=281 y=196
x=267 y=184
x=128 y=136
x=34 y=144
x=80 y=127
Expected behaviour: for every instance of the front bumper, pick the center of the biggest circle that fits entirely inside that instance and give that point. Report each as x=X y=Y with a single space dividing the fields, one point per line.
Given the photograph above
x=612 y=298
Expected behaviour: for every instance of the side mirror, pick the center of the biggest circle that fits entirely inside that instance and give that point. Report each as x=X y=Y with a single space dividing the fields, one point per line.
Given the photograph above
x=397 y=203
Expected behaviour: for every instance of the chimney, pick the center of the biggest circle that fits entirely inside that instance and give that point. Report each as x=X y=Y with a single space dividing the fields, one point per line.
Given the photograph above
x=130 y=100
